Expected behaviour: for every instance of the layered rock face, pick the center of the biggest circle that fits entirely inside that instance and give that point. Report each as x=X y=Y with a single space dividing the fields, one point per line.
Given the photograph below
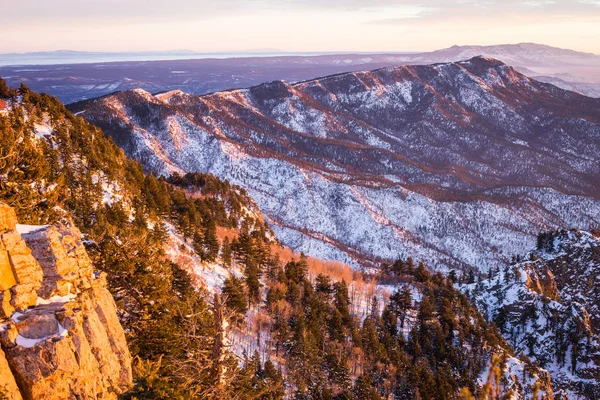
x=60 y=335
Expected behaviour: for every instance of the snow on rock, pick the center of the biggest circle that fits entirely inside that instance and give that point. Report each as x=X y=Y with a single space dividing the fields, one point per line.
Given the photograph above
x=26 y=229
x=57 y=299
x=29 y=343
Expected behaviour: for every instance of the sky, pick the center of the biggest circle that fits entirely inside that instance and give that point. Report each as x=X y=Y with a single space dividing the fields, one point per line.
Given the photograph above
x=294 y=25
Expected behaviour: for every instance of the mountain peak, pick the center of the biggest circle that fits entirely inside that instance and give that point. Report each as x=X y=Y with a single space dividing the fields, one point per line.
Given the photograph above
x=484 y=60
x=275 y=89
x=141 y=92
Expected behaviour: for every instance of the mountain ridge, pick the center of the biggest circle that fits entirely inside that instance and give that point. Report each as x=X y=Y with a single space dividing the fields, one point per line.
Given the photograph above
x=415 y=133
x=75 y=82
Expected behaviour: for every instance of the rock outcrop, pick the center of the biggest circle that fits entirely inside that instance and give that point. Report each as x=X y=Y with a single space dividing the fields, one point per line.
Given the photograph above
x=21 y=275
x=59 y=333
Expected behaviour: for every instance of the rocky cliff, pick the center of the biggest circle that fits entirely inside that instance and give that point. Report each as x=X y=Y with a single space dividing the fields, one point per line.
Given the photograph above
x=60 y=335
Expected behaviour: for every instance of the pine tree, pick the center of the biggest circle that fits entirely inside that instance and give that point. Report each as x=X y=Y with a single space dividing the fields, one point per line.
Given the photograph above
x=252 y=275
x=400 y=302
x=226 y=252
x=5 y=92
x=410 y=266
x=421 y=273
x=323 y=284
x=210 y=242
x=234 y=296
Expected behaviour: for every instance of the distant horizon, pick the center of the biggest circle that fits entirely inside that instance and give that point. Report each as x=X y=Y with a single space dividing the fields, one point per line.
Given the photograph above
x=276 y=50
x=69 y=56
x=59 y=57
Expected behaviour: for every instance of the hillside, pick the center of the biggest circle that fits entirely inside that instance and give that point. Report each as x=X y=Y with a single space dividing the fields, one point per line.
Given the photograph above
x=547 y=307
x=56 y=167
x=389 y=163
x=181 y=318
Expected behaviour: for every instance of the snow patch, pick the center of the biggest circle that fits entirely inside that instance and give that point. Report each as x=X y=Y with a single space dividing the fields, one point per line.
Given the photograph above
x=26 y=229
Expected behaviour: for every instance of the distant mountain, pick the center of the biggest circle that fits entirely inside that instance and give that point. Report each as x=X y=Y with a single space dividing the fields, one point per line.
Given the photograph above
x=589 y=89
x=547 y=307
x=461 y=164
x=522 y=54
x=75 y=81
x=567 y=69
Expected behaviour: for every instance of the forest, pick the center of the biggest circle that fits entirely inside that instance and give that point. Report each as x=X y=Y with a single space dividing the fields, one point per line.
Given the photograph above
x=424 y=341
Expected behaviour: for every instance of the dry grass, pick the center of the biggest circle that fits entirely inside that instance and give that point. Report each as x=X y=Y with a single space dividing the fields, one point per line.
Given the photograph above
x=223 y=233
x=337 y=271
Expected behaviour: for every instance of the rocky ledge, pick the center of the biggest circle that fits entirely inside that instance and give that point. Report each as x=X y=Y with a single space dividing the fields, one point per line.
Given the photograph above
x=59 y=331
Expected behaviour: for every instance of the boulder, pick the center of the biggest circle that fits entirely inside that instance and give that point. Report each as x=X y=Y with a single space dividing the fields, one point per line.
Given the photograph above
x=67 y=344
x=37 y=326
x=25 y=268
x=91 y=361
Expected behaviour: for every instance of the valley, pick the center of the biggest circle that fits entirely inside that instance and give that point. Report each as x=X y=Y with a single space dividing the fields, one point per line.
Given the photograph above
x=165 y=260
x=300 y=200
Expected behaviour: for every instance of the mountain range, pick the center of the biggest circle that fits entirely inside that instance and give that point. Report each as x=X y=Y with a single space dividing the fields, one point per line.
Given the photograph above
x=403 y=172
x=461 y=164
x=77 y=81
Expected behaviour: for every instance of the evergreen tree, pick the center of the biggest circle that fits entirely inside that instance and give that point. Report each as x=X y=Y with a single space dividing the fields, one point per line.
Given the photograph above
x=400 y=302
x=253 y=285
x=323 y=284
x=5 y=92
x=421 y=274
x=410 y=266
x=226 y=252
x=210 y=242
x=234 y=295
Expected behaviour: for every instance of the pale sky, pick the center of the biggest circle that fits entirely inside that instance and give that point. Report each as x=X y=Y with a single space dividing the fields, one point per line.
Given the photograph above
x=294 y=25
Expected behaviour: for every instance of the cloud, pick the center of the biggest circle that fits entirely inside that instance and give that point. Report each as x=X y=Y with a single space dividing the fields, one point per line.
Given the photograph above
x=151 y=10
x=535 y=10
x=135 y=10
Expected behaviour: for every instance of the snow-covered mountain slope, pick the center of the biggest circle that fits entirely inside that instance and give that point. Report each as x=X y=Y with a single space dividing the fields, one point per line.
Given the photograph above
x=587 y=88
x=461 y=164
x=60 y=167
x=547 y=309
